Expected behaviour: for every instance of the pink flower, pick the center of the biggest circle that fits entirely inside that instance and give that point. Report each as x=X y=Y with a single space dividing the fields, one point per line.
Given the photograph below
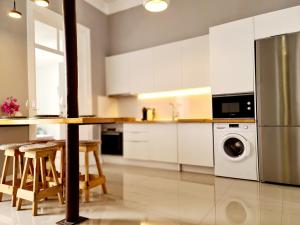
x=10 y=106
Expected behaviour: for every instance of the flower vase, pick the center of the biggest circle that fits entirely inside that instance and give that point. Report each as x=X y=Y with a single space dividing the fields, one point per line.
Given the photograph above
x=11 y=115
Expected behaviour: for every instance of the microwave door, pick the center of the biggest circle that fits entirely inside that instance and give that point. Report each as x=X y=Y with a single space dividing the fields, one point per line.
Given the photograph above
x=241 y=106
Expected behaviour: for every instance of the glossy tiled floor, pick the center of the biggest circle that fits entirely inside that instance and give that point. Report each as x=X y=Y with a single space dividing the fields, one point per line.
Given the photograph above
x=140 y=196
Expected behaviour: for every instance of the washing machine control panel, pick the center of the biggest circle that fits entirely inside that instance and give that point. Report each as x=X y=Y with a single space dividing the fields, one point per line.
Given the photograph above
x=235 y=126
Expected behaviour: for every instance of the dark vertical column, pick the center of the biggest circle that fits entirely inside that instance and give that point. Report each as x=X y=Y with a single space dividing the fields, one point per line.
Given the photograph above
x=72 y=148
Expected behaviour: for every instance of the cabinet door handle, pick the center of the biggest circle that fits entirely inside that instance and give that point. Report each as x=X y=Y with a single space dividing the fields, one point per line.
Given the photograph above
x=136 y=132
x=138 y=141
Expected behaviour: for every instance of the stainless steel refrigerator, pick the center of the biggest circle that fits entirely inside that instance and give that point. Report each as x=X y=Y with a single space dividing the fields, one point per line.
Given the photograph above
x=278 y=108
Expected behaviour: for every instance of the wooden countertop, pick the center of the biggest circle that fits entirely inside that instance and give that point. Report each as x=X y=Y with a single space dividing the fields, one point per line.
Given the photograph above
x=216 y=121
x=54 y=120
x=195 y=120
x=102 y=120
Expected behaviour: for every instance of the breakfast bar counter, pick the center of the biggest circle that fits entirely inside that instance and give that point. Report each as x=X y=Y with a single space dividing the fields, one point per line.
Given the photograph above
x=58 y=120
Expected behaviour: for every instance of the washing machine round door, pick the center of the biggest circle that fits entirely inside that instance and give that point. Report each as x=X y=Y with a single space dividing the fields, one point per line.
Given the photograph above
x=235 y=147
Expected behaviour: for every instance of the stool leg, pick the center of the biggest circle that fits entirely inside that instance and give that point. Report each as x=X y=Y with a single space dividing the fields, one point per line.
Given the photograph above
x=4 y=173
x=55 y=177
x=23 y=181
x=62 y=164
x=14 y=181
x=31 y=169
x=36 y=185
x=43 y=173
x=100 y=172
x=21 y=166
x=86 y=177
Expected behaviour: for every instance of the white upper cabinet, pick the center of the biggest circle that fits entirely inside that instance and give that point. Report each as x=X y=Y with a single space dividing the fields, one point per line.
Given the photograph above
x=179 y=65
x=195 y=144
x=278 y=22
x=142 y=71
x=117 y=75
x=232 y=57
x=167 y=65
x=195 y=62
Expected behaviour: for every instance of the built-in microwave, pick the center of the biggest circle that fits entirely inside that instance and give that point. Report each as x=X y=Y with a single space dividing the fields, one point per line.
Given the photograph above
x=233 y=106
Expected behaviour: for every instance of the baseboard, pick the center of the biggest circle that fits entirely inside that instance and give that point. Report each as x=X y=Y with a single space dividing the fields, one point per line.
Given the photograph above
x=120 y=160
x=198 y=169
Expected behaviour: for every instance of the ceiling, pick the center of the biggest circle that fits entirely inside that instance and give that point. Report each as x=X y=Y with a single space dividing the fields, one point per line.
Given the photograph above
x=113 y=6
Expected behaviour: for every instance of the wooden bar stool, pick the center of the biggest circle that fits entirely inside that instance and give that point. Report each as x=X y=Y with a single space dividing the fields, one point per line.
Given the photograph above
x=40 y=140
x=11 y=151
x=88 y=180
x=61 y=144
x=37 y=154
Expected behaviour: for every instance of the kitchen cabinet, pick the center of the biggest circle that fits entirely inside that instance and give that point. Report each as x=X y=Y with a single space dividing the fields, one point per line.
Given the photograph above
x=167 y=67
x=195 y=62
x=195 y=144
x=163 y=143
x=153 y=142
x=136 y=141
x=117 y=75
x=278 y=22
x=179 y=65
x=232 y=57
x=141 y=71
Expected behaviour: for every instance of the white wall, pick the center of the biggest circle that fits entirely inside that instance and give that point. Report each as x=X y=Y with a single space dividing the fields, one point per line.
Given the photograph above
x=199 y=106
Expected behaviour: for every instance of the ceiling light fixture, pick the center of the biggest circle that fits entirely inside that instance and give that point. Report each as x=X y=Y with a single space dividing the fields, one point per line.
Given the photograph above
x=156 y=5
x=42 y=3
x=14 y=13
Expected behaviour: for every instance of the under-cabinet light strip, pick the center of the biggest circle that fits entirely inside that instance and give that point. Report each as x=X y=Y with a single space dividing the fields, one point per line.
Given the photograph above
x=177 y=93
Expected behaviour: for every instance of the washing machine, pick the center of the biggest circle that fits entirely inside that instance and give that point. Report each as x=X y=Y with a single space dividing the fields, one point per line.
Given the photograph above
x=235 y=150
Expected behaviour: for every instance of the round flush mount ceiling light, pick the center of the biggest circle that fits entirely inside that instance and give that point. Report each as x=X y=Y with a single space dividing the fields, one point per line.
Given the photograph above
x=42 y=3
x=156 y=5
x=14 y=13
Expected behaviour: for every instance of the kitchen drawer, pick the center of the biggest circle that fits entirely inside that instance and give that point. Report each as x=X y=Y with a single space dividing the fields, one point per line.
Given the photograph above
x=135 y=128
x=136 y=150
x=136 y=136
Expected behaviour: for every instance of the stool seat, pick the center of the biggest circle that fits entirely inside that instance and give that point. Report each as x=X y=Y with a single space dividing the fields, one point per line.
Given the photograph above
x=59 y=143
x=37 y=147
x=13 y=146
x=89 y=142
x=40 y=140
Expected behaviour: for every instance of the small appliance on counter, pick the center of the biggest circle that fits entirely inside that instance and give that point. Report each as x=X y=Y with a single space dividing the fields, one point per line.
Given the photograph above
x=112 y=139
x=148 y=114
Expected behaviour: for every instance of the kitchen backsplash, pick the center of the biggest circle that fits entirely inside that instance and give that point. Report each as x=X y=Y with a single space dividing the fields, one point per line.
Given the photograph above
x=197 y=106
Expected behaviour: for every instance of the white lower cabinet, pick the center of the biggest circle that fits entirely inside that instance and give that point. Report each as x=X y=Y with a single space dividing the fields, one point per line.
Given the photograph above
x=184 y=143
x=195 y=144
x=154 y=142
x=163 y=143
x=136 y=141
x=136 y=150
